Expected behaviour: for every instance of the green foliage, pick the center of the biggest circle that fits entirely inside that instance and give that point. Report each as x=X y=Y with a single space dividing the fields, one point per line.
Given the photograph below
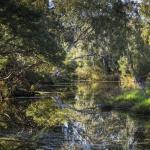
x=123 y=65
x=144 y=12
x=135 y=100
x=47 y=113
x=89 y=73
x=126 y=78
x=3 y=125
x=28 y=30
x=30 y=40
x=143 y=107
x=112 y=30
x=71 y=66
x=3 y=62
x=107 y=37
x=7 y=114
x=132 y=96
x=4 y=89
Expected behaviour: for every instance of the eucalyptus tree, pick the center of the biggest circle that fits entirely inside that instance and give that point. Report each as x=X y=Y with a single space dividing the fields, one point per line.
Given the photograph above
x=111 y=28
x=29 y=28
x=138 y=50
x=100 y=23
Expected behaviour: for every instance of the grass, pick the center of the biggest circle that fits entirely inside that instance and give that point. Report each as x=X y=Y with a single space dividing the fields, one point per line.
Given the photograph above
x=134 y=101
x=143 y=107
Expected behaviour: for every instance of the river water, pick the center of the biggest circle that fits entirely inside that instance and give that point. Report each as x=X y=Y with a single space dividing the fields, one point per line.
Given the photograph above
x=71 y=117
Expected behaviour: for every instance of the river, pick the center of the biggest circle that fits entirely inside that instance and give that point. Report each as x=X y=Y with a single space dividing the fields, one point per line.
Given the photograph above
x=72 y=117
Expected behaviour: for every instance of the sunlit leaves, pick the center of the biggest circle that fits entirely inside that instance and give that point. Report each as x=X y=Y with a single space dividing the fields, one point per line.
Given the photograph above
x=47 y=113
x=3 y=62
x=146 y=34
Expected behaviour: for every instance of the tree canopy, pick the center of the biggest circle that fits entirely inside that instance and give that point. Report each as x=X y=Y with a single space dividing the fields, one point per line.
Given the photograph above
x=113 y=32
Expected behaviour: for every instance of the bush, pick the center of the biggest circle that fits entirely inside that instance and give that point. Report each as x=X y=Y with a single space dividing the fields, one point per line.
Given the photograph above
x=89 y=73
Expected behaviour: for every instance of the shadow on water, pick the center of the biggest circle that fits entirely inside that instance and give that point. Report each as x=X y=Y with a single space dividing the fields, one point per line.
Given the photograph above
x=71 y=119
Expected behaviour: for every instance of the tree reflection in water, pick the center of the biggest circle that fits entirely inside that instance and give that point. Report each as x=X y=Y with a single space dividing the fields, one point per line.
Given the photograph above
x=51 y=123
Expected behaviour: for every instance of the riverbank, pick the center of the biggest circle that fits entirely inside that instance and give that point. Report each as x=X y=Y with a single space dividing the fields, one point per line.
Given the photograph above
x=133 y=101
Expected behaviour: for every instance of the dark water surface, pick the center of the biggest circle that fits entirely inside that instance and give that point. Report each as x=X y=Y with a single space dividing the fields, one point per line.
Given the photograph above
x=71 y=117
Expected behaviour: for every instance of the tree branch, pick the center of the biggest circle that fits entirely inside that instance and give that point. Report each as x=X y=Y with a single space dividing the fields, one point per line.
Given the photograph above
x=82 y=36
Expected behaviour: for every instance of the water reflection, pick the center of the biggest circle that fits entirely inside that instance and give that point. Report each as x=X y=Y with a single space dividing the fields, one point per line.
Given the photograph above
x=71 y=119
